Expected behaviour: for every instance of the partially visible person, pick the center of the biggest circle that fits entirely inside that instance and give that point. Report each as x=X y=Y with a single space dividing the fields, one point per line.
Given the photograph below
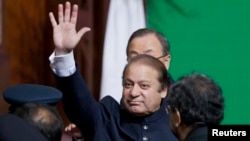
x=142 y=41
x=19 y=94
x=44 y=117
x=14 y=128
x=32 y=106
x=150 y=42
x=140 y=117
x=107 y=120
x=195 y=102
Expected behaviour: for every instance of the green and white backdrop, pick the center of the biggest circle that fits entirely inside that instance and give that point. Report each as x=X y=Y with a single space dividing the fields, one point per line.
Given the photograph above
x=206 y=36
x=211 y=37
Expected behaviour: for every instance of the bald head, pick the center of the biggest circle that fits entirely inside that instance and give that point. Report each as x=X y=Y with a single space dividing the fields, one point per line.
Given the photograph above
x=44 y=117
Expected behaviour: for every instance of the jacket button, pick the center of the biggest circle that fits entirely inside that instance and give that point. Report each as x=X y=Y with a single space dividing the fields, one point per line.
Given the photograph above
x=145 y=127
x=145 y=139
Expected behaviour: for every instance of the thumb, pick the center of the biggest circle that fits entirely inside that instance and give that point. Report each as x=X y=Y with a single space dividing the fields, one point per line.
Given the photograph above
x=82 y=31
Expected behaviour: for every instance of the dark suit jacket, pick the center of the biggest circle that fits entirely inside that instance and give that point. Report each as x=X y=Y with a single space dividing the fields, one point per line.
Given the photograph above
x=107 y=120
x=13 y=128
x=198 y=134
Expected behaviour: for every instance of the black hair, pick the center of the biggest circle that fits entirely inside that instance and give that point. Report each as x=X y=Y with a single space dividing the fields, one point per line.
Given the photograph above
x=44 y=117
x=146 y=31
x=198 y=98
x=151 y=62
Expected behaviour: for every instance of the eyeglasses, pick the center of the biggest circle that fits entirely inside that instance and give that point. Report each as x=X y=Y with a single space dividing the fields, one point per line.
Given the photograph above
x=130 y=57
x=162 y=56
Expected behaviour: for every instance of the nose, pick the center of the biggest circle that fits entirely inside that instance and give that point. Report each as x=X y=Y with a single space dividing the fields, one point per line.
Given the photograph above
x=135 y=91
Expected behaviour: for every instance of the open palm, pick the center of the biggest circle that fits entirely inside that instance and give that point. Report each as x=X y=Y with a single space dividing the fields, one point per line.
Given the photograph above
x=64 y=33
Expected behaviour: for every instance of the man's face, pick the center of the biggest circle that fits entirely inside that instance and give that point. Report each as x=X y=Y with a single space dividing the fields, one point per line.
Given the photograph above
x=141 y=90
x=150 y=45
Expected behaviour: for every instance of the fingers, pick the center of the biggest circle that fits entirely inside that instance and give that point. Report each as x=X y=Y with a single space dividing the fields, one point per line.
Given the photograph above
x=73 y=125
x=60 y=13
x=74 y=14
x=65 y=16
x=70 y=127
x=67 y=12
x=52 y=19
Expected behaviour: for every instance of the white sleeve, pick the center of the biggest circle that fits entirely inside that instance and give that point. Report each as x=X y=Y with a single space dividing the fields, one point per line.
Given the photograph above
x=63 y=65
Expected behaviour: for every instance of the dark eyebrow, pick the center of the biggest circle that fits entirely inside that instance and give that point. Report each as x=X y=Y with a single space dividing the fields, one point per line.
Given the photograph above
x=147 y=51
x=132 y=52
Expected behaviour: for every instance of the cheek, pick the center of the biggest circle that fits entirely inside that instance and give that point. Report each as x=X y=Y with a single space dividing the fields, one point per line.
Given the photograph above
x=152 y=100
x=125 y=92
x=124 y=96
x=154 y=96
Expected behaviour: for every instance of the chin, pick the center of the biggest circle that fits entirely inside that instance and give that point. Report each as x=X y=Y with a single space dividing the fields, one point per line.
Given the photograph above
x=136 y=112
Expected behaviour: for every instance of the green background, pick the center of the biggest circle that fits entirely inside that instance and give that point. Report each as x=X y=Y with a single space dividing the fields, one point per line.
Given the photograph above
x=211 y=37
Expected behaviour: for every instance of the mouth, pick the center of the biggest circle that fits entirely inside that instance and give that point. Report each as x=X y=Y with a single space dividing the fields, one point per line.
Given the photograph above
x=134 y=103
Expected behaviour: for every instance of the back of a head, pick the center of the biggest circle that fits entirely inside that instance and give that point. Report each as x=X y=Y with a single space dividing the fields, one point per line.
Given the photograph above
x=146 y=31
x=44 y=117
x=198 y=98
x=14 y=128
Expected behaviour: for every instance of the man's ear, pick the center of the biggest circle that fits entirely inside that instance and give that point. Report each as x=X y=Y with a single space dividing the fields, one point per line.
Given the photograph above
x=163 y=92
x=167 y=60
x=176 y=118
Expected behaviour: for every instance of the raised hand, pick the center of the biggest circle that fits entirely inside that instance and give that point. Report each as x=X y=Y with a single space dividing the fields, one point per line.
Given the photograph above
x=65 y=35
x=73 y=131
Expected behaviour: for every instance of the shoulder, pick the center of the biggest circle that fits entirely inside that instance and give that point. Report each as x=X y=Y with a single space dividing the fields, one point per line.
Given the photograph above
x=109 y=101
x=110 y=104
